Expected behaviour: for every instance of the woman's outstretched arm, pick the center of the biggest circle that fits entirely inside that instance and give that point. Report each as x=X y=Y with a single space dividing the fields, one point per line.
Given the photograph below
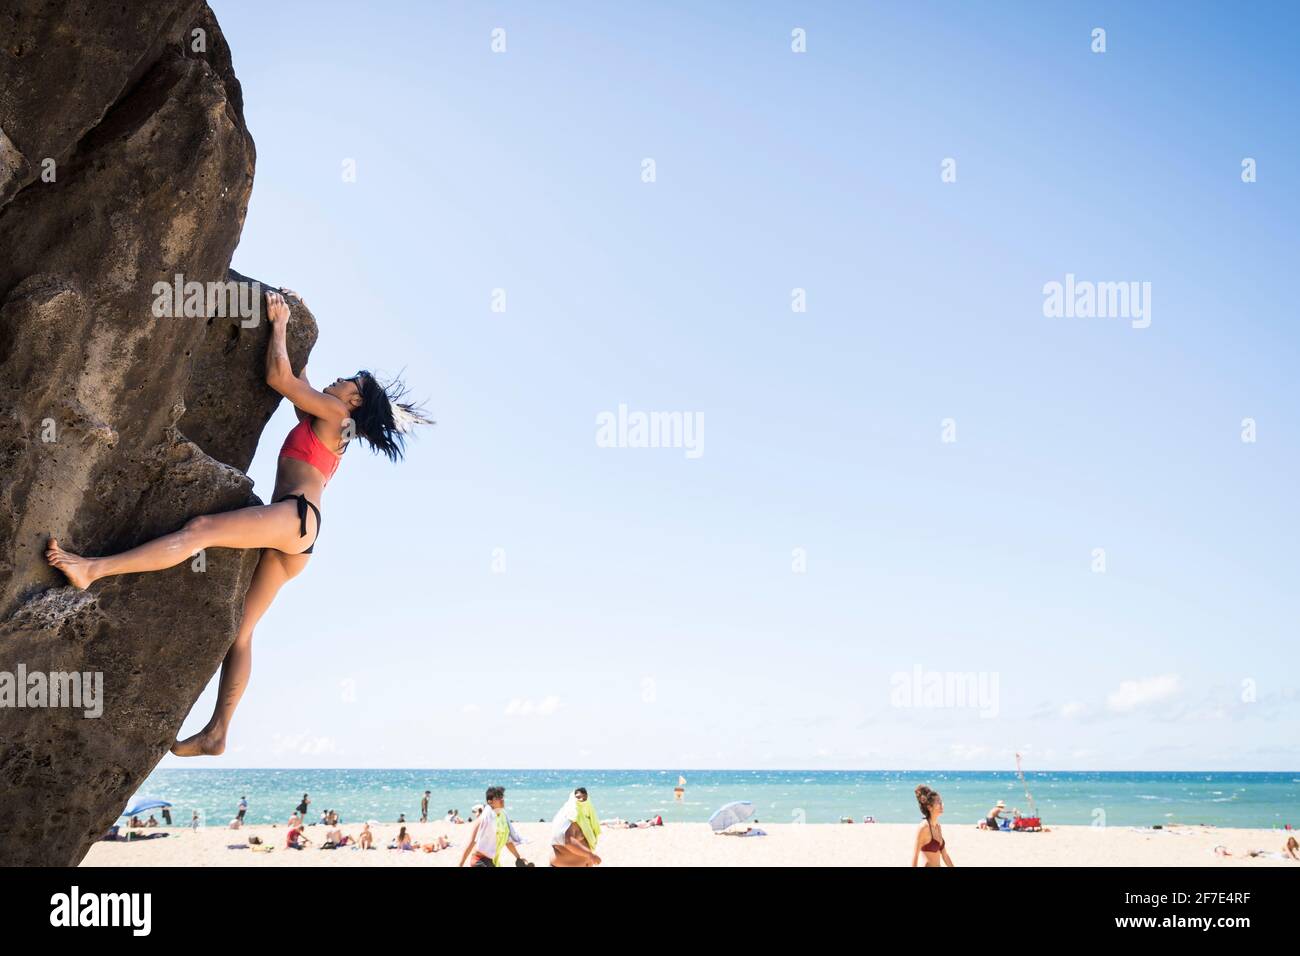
x=302 y=377
x=279 y=373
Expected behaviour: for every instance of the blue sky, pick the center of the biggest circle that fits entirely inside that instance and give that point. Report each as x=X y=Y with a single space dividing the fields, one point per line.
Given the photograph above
x=649 y=614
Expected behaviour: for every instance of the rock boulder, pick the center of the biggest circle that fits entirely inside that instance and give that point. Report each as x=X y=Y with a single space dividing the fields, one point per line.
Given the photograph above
x=124 y=163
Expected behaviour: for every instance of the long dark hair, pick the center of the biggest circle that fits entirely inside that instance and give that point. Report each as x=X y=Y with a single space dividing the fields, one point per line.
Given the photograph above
x=382 y=419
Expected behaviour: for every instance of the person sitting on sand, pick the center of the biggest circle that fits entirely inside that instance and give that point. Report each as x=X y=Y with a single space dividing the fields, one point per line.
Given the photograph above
x=929 y=836
x=333 y=838
x=294 y=820
x=993 y=821
x=236 y=823
x=367 y=839
x=134 y=822
x=152 y=821
x=1291 y=847
x=296 y=839
x=285 y=531
x=403 y=841
x=491 y=834
x=574 y=832
x=439 y=843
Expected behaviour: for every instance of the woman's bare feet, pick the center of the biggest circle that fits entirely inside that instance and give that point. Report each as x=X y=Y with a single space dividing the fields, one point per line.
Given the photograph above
x=208 y=742
x=79 y=570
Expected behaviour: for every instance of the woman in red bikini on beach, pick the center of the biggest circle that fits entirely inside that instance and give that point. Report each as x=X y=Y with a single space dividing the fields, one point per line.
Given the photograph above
x=286 y=529
x=929 y=836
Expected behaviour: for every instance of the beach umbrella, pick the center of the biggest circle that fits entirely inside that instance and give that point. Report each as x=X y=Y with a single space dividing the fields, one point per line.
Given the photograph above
x=730 y=815
x=143 y=804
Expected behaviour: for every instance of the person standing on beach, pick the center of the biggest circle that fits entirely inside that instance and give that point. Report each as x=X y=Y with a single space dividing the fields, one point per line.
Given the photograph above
x=243 y=808
x=424 y=807
x=574 y=832
x=491 y=833
x=302 y=808
x=929 y=836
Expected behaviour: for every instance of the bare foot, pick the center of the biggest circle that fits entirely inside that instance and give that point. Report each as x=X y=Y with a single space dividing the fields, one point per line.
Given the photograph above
x=77 y=569
x=206 y=743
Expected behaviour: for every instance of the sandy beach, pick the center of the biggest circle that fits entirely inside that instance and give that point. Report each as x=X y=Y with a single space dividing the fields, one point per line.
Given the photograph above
x=690 y=844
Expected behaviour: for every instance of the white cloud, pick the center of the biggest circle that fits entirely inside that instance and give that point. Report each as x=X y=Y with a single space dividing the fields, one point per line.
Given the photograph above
x=1135 y=694
x=524 y=707
x=303 y=744
x=1074 y=709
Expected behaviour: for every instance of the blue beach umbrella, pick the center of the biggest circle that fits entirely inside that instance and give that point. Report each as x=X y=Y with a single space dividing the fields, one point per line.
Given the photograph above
x=730 y=815
x=145 y=804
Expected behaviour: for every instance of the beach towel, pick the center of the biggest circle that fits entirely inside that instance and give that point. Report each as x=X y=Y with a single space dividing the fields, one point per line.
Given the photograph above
x=587 y=821
x=503 y=835
x=580 y=812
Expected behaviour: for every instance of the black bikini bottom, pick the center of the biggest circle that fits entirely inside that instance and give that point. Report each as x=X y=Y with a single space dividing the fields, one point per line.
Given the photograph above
x=303 y=505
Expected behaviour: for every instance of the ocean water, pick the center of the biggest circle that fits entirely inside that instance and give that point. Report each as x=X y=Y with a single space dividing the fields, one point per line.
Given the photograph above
x=779 y=796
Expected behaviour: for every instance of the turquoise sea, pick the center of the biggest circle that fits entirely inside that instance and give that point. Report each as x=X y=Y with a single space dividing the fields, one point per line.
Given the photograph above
x=779 y=796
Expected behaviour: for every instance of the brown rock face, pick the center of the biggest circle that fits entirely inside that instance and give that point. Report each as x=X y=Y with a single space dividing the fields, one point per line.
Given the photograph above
x=124 y=163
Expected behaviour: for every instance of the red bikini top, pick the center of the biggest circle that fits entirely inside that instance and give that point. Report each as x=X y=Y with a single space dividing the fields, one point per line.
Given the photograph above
x=934 y=846
x=302 y=443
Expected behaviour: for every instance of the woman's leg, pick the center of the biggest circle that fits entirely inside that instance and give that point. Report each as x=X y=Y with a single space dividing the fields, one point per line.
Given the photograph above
x=261 y=526
x=273 y=570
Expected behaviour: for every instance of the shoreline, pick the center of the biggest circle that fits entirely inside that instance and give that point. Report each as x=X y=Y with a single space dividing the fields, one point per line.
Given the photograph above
x=694 y=844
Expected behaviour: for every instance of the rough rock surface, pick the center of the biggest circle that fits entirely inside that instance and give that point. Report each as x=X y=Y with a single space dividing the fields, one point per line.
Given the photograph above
x=116 y=425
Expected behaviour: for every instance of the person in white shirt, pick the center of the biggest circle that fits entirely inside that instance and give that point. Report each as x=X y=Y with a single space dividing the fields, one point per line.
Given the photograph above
x=483 y=840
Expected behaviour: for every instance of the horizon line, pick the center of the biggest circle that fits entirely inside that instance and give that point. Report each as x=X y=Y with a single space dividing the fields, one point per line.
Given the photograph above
x=727 y=770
